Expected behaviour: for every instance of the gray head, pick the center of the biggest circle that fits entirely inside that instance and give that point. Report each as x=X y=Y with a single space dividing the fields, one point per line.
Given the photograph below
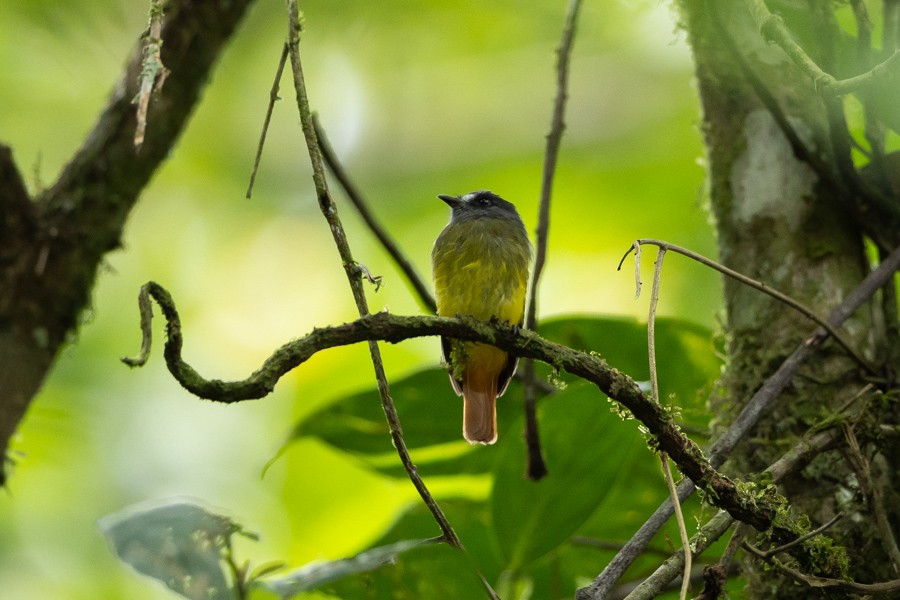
x=480 y=204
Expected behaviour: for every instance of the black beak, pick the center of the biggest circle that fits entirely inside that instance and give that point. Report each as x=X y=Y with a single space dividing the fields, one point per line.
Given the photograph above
x=453 y=201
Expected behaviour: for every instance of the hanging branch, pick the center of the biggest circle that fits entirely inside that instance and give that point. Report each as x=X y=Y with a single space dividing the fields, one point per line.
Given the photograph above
x=654 y=391
x=537 y=467
x=273 y=98
x=329 y=210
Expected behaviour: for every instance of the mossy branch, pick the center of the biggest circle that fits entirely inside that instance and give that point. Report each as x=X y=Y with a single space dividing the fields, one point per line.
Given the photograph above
x=773 y=29
x=758 y=510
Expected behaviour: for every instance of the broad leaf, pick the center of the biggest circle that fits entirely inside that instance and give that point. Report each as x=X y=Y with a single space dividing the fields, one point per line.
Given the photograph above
x=687 y=364
x=180 y=544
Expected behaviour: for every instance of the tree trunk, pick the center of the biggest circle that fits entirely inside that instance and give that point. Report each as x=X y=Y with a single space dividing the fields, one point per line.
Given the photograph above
x=786 y=215
x=53 y=244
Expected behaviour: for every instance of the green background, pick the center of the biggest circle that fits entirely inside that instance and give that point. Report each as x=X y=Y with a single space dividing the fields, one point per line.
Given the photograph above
x=418 y=98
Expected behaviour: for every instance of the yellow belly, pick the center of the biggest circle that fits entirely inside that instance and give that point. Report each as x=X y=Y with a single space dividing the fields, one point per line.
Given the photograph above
x=481 y=270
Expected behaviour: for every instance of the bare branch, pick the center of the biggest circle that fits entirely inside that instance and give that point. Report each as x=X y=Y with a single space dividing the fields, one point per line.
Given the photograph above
x=329 y=210
x=885 y=587
x=762 y=287
x=792 y=461
x=273 y=98
x=537 y=467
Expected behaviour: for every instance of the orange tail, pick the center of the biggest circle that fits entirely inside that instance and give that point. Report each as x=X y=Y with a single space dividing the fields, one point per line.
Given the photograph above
x=480 y=404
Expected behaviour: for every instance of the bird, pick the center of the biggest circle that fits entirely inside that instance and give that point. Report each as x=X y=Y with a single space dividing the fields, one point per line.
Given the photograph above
x=480 y=264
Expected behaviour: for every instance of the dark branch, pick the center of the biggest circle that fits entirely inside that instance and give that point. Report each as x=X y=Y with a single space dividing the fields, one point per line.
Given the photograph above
x=273 y=98
x=756 y=510
x=537 y=468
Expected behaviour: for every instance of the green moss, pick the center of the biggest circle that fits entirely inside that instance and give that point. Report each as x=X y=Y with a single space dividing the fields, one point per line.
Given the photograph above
x=828 y=558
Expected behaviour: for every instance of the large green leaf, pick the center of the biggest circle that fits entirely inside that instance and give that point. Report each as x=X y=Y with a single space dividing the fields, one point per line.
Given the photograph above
x=180 y=544
x=587 y=448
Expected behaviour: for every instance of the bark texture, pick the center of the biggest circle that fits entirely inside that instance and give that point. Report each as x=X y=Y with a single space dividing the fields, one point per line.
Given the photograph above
x=786 y=214
x=53 y=244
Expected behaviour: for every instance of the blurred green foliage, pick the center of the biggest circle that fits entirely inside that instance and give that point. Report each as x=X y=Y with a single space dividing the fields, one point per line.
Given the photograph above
x=421 y=99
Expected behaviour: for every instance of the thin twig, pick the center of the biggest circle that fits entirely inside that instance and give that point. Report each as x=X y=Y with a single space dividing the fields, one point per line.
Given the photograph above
x=762 y=287
x=651 y=322
x=356 y=198
x=874 y=496
x=329 y=210
x=551 y=154
x=745 y=421
x=813 y=581
x=817 y=531
x=537 y=467
x=153 y=72
x=654 y=390
x=682 y=528
x=711 y=531
x=273 y=98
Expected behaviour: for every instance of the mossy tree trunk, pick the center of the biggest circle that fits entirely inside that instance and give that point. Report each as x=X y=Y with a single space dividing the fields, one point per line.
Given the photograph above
x=791 y=211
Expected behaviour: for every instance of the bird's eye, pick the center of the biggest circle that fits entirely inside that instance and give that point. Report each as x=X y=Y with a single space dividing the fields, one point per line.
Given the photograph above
x=484 y=201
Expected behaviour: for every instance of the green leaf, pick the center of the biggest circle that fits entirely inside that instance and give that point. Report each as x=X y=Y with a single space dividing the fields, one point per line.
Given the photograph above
x=431 y=415
x=587 y=449
x=317 y=574
x=180 y=544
